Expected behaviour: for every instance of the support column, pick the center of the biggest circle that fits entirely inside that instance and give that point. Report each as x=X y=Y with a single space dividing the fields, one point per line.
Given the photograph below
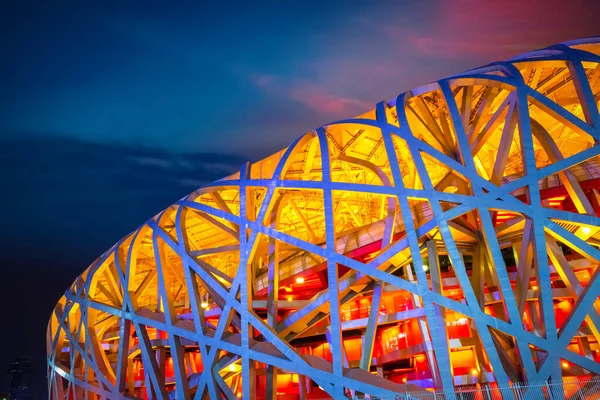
x=273 y=293
x=437 y=326
x=302 y=387
x=423 y=329
x=369 y=337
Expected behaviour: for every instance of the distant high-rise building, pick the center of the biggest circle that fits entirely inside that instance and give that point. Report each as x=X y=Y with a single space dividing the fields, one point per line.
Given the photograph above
x=16 y=383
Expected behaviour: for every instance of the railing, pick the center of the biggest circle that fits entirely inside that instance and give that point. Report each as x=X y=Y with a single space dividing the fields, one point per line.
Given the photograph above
x=582 y=388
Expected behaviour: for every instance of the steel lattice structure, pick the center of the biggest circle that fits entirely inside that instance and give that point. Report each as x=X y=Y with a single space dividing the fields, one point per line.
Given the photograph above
x=448 y=237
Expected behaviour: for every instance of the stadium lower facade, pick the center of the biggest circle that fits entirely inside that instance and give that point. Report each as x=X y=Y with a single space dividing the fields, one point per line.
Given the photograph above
x=449 y=237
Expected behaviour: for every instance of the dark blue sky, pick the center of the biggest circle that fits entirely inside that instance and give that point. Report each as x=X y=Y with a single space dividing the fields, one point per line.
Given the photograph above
x=112 y=110
x=192 y=77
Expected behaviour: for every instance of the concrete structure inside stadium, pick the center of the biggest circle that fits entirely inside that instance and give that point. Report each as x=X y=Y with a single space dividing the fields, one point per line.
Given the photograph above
x=447 y=239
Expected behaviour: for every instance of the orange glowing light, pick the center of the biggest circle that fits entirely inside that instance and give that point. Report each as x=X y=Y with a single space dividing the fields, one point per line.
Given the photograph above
x=299 y=279
x=404 y=380
x=289 y=298
x=238 y=395
x=534 y=287
x=204 y=304
x=565 y=364
x=231 y=367
x=474 y=371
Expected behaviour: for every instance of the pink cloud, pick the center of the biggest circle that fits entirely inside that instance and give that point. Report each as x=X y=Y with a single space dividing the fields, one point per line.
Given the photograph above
x=317 y=99
x=456 y=48
x=491 y=30
x=314 y=96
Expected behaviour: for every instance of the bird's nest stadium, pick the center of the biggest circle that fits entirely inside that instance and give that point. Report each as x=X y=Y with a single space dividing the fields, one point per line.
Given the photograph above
x=449 y=238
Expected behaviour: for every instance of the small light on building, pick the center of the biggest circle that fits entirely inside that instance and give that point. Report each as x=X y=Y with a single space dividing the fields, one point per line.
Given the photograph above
x=585 y=230
x=238 y=395
x=474 y=371
x=299 y=279
x=565 y=364
x=232 y=367
x=425 y=267
x=534 y=287
x=204 y=304
x=403 y=380
x=289 y=298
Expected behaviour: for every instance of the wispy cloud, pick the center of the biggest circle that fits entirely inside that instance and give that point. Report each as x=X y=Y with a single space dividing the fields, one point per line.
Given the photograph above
x=318 y=99
x=93 y=193
x=315 y=97
x=434 y=46
x=484 y=30
x=262 y=81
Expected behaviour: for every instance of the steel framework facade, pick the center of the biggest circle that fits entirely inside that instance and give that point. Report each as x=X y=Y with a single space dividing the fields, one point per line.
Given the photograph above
x=448 y=237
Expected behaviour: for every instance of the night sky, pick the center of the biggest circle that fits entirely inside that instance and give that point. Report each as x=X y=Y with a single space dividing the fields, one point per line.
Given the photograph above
x=112 y=110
